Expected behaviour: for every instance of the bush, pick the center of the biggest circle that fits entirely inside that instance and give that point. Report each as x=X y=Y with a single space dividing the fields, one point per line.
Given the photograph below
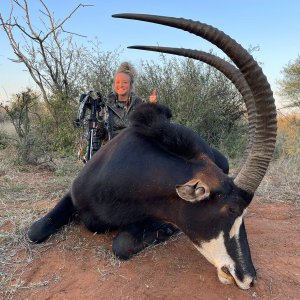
x=233 y=144
x=288 y=137
x=3 y=116
x=25 y=113
x=4 y=139
x=58 y=133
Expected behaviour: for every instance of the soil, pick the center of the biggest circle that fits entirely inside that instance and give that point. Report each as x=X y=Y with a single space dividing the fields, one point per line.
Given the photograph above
x=76 y=264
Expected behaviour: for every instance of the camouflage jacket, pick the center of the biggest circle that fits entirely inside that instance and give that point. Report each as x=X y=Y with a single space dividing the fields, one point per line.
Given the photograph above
x=118 y=113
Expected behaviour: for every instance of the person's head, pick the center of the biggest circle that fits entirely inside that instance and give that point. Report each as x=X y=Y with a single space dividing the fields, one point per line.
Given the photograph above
x=124 y=80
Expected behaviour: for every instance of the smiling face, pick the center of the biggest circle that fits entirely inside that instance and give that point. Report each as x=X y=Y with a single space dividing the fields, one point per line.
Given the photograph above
x=122 y=86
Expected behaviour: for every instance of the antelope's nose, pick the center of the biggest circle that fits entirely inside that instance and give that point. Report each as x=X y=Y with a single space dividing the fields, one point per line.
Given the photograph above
x=253 y=282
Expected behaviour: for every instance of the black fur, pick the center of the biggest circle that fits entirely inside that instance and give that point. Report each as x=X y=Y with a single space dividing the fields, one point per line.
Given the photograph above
x=153 y=121
x=129 y=184
x=60 y=215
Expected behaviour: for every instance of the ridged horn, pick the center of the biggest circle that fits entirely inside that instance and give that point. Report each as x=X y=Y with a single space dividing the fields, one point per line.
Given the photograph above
x=230 y=71
x=261 y=153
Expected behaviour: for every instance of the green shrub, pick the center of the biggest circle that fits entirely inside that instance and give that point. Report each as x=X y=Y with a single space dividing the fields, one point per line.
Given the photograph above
x=4 y=139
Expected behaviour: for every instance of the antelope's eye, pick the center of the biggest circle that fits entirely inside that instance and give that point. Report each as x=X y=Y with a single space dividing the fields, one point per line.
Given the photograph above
x=233 y=210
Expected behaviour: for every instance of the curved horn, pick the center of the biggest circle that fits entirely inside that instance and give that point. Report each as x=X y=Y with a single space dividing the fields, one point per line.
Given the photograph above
x=230 y=71
x=257 y=162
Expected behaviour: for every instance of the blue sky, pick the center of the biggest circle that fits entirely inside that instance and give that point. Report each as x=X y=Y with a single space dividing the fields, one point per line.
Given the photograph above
x=273 y=25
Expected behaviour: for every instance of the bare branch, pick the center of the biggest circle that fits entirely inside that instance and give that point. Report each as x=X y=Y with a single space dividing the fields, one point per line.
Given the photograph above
x=64 y=20
x=44 y=52
x=27 y=16
x=22 y=29
x=73 y=33
x=18 y=3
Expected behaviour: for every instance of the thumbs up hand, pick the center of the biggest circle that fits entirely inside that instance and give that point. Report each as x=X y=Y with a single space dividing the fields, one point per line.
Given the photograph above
x=153 y=97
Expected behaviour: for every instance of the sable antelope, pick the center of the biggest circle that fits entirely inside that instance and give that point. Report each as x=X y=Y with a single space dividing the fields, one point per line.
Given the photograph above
x=158 y=172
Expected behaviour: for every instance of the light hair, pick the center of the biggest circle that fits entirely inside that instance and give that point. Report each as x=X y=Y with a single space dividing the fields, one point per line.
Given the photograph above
x=127 y=68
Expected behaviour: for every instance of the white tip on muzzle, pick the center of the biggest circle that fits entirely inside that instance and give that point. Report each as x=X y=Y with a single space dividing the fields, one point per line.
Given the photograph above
x=216 y=253
x=227 y=278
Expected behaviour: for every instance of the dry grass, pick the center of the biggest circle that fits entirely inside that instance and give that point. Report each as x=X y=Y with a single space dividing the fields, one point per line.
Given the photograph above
x=21 y=187
x=282 y=181
x=27 y=193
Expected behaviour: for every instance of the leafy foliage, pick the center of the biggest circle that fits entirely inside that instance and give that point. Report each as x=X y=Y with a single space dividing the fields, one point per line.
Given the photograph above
x=97 y=69
x=24 y=113
x=290 y=84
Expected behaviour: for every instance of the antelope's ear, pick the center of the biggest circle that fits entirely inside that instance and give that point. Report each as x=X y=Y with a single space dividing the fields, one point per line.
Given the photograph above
x=193 y=191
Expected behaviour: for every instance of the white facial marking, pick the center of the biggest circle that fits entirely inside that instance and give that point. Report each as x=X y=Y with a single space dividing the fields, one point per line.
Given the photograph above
x=235 y=229
x=216 y=253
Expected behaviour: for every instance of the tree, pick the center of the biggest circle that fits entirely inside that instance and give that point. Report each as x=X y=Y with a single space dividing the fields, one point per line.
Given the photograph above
x=290 y=84
x=98 y=68
x=24 y=112
x=48 y=56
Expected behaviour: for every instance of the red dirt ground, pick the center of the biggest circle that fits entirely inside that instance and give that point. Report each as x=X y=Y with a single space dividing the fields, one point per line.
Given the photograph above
x=78 y=265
